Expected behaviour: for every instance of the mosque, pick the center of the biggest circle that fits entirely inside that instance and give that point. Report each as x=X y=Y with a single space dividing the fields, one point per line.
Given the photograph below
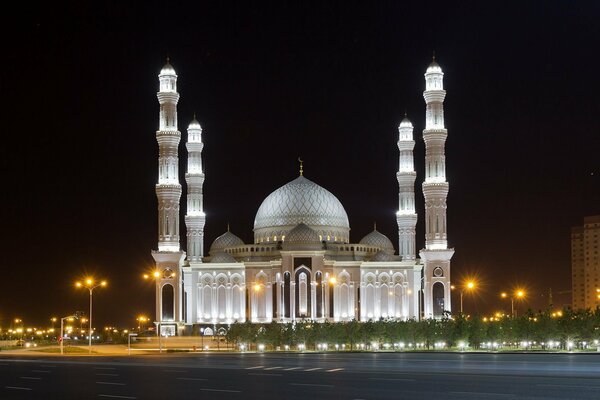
x=302 y=264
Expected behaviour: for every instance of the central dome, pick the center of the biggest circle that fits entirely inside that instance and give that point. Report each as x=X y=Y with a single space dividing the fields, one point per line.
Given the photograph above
x=301 y=201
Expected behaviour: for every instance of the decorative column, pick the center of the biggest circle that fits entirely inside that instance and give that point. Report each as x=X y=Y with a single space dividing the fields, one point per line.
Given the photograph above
x=195 y=217
x=169 y=258
x=406 y=175
x=436 y=255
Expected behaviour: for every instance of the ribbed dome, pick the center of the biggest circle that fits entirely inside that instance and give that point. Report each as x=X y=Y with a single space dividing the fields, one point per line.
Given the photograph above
x=302 y=236
x=378 y=239
x=222 y=257
x=301 y=201
x=168 y=69
x=434 y=67
x=382 y=256
x=406 y=123
x=194 y=124
x=225 y=241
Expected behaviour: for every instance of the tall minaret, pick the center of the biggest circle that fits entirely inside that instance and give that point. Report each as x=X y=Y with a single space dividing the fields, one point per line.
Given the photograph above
x=195 y=217
x=436 y=255
x=168 y=189
x=406 y=216
x=169 y=258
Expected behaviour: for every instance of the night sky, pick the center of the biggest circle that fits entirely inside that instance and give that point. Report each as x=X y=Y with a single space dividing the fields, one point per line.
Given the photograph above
x=328 y=81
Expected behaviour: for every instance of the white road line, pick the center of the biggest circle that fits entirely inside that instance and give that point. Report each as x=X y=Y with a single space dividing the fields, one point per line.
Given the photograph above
x=270 y=368
x=30 y=377
x=291 y=369
x=484 y=394
x=258 y=366
x=48 y=366
x=104 y=368
x=393 y=379
x=40 y=371
x=192 y=379
x=259 y=374
x=116 y=397
x=17 y=388
x=335 y=370
x=569 y=386
x=174 y=370
x=313 y=369
x=107 y=374
x=111 y=383
x=310 y=384
x=221 y=390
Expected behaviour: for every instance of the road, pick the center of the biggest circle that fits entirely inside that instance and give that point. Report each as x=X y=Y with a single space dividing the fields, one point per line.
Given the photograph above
x=302 y=376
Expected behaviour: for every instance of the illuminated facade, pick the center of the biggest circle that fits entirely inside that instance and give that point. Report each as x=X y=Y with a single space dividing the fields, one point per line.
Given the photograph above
x=585 y=263
x=301 y=265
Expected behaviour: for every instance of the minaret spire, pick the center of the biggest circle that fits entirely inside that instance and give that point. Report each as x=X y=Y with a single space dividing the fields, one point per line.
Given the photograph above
x=436 y=255
x=301 y=166
x=195 y=218
x=406 y=175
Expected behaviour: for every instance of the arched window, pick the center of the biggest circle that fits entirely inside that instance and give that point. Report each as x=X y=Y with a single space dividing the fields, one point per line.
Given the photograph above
x=168 y=303
x=438 y=299
x=320 y=288
x=286 y=294
x=303 y=293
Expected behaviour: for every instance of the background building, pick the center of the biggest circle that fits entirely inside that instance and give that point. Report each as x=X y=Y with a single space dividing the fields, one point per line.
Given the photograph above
x=585 y=263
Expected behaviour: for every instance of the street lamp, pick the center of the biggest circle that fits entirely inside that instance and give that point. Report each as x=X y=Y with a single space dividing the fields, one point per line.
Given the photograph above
x=518 y=294
x=90 y=285
x=469 y=285
x=62 y=323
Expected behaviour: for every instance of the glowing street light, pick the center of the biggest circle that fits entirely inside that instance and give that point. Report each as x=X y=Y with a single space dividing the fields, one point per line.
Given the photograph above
x=90 y=284
x=468 y=285
x=519 y=294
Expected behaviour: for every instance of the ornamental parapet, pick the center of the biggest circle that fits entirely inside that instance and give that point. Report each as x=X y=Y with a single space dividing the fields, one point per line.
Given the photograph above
x=194 y=147
x=432 y=96
x=404 y=145
x=435 y=189
x=167 y=97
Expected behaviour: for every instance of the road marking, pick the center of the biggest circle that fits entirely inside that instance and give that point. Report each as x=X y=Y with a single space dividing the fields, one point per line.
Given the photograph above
x=313 y=369
x=174 y=370
x=258 y=366
x=255 y=374
x=107 y=374
x=335 y=370
x=192 y=379
x=569 y=386
x=310 y=384
x=270 y=368
x=30 y=377
x=17 y=388
x=48 y=366
x=111 y=383
x=291 y=369
x=104 y=368
x=393 y=379
x=221 y=390
x=40 y=371
x=116 y=397
x=484 y=394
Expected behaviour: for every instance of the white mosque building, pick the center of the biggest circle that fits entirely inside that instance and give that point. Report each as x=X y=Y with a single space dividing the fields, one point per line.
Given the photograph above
x=301 y=265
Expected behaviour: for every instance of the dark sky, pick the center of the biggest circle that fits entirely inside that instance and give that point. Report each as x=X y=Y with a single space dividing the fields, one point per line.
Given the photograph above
x=328 y=81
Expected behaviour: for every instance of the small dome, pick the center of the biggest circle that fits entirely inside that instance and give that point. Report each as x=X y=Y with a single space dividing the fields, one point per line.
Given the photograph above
x=222 y=257
x=194 y=124
x=382 y=256
x=378 y=239
x=406 y=123
x=302 y=236
x=433 y=67
x=168 y=69
x=225 y=241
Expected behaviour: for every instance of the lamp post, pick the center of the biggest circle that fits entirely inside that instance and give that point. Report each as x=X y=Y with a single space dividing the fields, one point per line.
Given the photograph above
x=468 y=285
x=519 y=294
x=90 y=285
x=62 y=323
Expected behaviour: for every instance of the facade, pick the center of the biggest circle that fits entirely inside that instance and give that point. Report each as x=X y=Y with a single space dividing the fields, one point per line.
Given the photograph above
x=302 y=264
x=585 y=263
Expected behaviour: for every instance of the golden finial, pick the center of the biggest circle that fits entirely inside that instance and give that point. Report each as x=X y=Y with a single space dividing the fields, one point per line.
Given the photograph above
x=301 y=166
x=374 y=225
x=227 y=226
x=433 y=57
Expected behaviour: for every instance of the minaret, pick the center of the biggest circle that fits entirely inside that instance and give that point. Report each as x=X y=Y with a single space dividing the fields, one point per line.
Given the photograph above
x=168 y=189
x=195 y=217
x=436 y=255
x=406 y=216
x=169 y=258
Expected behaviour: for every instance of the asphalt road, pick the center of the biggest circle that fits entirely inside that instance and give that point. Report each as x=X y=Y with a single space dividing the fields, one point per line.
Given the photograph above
x=303 y=376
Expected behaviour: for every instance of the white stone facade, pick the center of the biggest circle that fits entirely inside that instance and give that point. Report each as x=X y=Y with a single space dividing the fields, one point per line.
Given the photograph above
x=302 y=265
